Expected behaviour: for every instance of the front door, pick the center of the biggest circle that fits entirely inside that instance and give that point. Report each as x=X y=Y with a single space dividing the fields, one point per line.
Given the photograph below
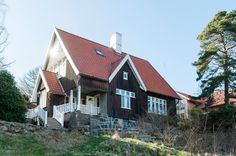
x=90 y=101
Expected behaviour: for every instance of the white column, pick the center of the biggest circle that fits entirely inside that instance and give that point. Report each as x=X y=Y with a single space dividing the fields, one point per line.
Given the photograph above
x=79 y=97
x=71 y=99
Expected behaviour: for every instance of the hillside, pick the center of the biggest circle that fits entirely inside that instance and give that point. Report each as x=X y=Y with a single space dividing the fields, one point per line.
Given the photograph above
x=35 y=141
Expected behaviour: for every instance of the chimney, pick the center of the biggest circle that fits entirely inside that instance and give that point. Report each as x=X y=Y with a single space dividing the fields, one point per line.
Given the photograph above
x=115 y=42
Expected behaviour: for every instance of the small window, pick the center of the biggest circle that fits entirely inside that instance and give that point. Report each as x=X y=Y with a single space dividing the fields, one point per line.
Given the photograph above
x=98 y=52
x=125 y=75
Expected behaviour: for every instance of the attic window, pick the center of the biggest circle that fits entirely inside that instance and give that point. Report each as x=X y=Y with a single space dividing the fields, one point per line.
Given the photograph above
x=98 y=52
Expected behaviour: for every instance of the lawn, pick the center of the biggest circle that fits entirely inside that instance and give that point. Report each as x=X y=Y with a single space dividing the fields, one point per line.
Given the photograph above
x=29 y=144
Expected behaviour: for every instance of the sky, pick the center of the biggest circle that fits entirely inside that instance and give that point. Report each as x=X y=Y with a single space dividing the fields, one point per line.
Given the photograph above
x=162 y=32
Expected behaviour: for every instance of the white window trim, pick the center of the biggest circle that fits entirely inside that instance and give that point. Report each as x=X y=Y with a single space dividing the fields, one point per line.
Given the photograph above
x=125 y=75
x=162 y=105
x=127 y=95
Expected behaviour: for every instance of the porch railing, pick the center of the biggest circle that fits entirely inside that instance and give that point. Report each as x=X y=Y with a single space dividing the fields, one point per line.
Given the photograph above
x=67 y=107
x=60 y=110
x=32 y=113
x=89 y=109
x=59 y=116
x=43 y=115
x=37 y=112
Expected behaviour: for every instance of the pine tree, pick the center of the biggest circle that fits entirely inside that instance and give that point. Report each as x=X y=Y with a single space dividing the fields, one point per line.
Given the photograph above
x=216 y=65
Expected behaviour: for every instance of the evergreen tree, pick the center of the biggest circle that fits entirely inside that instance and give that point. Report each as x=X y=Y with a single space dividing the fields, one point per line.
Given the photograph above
x=216 y=65
x=12 y=103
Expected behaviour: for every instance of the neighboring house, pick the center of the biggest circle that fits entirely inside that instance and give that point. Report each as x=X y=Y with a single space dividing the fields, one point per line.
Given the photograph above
x=79 y=74
x=187 y=103
x=218 y=101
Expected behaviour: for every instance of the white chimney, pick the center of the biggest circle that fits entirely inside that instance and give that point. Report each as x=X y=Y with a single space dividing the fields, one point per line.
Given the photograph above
x=115 y=42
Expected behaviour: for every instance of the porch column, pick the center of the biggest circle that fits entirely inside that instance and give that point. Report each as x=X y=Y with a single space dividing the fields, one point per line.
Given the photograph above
x=71 y=100
x=79 y=97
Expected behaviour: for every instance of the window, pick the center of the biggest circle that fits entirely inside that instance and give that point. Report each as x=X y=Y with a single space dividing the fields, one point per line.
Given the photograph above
x=125 y=75
x=156 y=105
x=60 y=68
x=125 y=98
x=100 y=53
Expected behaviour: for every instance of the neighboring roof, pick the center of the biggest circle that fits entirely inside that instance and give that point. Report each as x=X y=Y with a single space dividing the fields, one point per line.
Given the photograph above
x=53 y=83
x=82 y=52
x=218 y=98
x=191 y=99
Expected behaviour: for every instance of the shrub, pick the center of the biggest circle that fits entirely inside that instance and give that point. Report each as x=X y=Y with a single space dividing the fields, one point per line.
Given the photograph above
x=225 y=117
x=12 y=103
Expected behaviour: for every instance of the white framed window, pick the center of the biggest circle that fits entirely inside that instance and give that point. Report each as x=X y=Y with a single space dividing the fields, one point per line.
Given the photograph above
x=125 y=98
x=125 y=75
x=60 y=68
x=157 y=105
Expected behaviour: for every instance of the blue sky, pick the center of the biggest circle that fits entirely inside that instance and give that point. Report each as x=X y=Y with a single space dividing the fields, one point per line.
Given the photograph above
x=163 y=32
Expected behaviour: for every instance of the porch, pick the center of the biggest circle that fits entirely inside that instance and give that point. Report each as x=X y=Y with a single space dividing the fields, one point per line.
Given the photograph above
x=86 y=100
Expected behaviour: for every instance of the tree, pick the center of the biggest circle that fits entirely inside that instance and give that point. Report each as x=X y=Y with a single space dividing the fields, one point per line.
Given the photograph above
x=12 y=103
x=3 y=36
x=26 y=84
x=216 y=65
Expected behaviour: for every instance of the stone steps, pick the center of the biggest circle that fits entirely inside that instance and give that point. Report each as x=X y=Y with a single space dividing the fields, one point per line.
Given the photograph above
x=53 y=124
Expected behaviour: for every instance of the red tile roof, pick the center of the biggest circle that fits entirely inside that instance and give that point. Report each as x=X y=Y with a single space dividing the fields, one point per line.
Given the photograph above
x=82 y=52
x=218 y=98
x=197 y=102
x=53 y=83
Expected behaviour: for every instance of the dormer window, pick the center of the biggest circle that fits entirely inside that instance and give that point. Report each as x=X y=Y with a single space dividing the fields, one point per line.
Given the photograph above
x=100 y=53
x=125 y=75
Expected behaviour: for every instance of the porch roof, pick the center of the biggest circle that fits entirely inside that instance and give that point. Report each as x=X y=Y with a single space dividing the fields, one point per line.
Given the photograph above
x=53 y=83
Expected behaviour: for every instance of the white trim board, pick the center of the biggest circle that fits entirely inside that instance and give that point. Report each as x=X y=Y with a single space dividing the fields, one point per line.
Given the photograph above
x=66 y=52
x=133 y=68
x=57 y=36
x=40 y=75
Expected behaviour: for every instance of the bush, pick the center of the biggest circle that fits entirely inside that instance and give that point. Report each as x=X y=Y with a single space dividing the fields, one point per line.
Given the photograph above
x=224 y=117
x=12 y=103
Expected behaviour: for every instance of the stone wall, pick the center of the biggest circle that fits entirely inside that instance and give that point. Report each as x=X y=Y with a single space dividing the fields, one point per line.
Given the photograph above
x=16 y=127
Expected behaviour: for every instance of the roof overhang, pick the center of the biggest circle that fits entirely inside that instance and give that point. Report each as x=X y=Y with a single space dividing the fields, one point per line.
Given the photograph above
x=133 y=68
x=40 y=76
x=56 y=35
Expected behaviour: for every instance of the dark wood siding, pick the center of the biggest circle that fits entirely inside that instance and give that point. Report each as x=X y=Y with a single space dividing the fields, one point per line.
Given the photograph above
x=139 y=104
x=87 y=82
x=114 y=101
x=53 y=99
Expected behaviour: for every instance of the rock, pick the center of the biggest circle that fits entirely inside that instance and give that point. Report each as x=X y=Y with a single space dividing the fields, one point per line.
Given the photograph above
x=4 y=128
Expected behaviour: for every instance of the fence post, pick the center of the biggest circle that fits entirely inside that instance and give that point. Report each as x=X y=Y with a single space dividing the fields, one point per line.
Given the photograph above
x=46 y=119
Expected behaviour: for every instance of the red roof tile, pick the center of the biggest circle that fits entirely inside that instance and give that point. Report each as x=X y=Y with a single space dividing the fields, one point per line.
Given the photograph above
x=218 y=99
x=82 y=52
x=53 y=83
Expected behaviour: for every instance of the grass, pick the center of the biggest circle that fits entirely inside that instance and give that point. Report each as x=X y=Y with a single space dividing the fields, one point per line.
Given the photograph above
x=105 y=146
x=22 y=144
x=30 y=145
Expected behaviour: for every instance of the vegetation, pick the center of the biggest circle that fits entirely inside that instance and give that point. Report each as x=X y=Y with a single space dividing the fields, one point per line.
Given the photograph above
x=26 y=84
x=224 y=117
x=216 y=65
x=12 y=103
x=28 y=144
x=3 y=37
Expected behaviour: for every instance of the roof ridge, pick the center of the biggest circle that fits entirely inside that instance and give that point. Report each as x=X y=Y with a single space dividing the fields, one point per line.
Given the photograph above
x=87 y=40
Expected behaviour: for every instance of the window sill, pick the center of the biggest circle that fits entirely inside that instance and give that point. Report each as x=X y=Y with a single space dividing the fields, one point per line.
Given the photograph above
x=164 y=114
x=126 y=108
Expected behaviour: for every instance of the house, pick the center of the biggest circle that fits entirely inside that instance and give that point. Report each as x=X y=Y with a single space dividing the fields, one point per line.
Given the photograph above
x=218 y=101
x=81 y=75
x=187 y=103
